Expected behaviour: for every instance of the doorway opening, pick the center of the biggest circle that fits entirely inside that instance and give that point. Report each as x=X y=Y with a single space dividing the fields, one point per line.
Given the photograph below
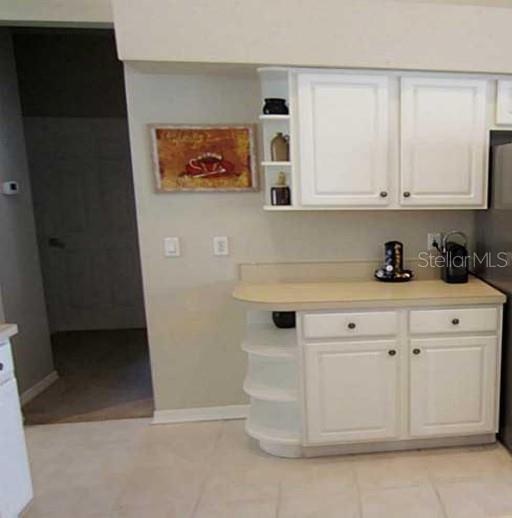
x=72 y=94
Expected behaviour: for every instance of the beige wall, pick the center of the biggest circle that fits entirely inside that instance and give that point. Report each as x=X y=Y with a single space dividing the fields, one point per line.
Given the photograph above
x=20 y=275
x=348 y=33
x=56 y=11
x=195 y=327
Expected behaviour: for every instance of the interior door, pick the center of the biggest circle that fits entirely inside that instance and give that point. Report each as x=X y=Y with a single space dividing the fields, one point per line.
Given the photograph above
x=352 y=391
x=343 y=139
x=444 y=142
x=453 y=386
x=85 y=216
x=15 y=482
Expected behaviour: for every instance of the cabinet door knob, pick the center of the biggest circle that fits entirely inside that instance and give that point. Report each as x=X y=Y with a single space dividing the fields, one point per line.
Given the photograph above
x=416 y=351
x=392 y=352
x=351 y=325
x=407 y=194
x=455 y=321
x=383 y=194
x=1 y=366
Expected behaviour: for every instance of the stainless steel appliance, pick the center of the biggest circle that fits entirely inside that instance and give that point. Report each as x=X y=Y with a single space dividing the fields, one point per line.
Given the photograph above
x=493 y=246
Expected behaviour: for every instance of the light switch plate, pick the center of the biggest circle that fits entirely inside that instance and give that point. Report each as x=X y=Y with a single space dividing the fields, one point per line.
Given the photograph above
x=172 y=247
x=220 y=245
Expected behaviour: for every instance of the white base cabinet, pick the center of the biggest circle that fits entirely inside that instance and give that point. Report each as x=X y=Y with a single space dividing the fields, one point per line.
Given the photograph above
x=382 y=379
x=15 y=480
x=352 y=391
x=453 y=385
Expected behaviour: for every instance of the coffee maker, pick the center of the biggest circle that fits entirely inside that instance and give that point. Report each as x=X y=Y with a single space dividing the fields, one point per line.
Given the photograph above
x=393 y=269
x=455 y=267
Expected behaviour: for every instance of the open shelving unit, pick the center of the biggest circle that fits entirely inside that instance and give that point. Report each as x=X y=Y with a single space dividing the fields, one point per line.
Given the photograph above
x=273 y=386
x=275 y=82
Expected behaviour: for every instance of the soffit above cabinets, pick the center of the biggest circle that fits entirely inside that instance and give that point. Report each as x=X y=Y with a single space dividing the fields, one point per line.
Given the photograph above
x=352 y=33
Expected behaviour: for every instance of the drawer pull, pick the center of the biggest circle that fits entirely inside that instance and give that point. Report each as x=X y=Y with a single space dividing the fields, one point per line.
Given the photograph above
x=1 y=366
x=383 y=194
x=455 y=321
x=392 y=352
x=416 y=351
x=351 y=325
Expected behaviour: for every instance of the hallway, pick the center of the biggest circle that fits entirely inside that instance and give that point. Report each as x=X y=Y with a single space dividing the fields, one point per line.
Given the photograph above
x=103 y=375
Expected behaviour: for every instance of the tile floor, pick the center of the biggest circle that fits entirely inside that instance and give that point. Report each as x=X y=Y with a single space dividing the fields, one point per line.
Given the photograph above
x=131 y=469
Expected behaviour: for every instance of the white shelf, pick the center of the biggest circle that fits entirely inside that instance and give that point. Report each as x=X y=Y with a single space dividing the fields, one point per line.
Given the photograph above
x=279 y=207
x=267 y=340
x=270 y=163
x=268 y=434
x=270 y=117
x=271 y=351
x=264 y=393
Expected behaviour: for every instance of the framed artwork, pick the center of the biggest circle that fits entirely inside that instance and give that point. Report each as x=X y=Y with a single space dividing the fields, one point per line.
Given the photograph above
x=204 y=158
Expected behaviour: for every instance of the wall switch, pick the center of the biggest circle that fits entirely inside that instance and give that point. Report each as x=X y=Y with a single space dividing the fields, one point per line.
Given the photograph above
x=434 y=237
x=172 y=247
x=220 y=245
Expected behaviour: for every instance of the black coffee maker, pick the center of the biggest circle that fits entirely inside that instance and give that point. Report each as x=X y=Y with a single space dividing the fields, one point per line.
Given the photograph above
x=456 y=259
x=393 y=269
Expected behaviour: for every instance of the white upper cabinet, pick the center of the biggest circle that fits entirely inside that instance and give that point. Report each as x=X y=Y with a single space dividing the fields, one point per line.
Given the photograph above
x=444 y=142
x=386 y=140
x=343 y=139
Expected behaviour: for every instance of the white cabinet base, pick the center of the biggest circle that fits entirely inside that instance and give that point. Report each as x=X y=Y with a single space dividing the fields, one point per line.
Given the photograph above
x=280 y=450
x=322 y=390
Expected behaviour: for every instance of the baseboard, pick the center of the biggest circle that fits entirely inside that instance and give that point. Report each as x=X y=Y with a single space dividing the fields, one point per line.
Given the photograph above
x=210 y=413
x=39 y=387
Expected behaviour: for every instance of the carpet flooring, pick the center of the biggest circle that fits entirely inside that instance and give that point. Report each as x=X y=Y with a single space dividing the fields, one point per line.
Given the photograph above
x=102 y=375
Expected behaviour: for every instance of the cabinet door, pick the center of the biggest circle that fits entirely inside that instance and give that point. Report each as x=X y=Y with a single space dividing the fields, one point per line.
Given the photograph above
x=444 y=142
x=15 y=482
x=343 y=139
x=352 y=391
x=453 y=386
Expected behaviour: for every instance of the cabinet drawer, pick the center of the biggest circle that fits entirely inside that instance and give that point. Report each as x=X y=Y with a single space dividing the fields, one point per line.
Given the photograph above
x=6 y=362
x=341 y=325
x=456 y=320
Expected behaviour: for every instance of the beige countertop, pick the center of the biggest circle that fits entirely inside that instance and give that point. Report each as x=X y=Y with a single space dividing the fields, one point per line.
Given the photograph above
x=371 y=293
x=7 y=330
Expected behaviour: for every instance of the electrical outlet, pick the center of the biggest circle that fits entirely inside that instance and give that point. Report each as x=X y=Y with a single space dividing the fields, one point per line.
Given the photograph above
x=220 y=245
x=434 y=237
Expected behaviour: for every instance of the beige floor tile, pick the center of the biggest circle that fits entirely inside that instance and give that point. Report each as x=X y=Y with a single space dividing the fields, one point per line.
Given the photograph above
x=343 y=504
x=82 y=466
x=247 y=509
x=391 y=470
x=236 y=450
x=240 y=485
x=486 y=498
x=160 y=444
x=404 y=502
x=160 y=508
x=148 y=486
x=320 y=476
x=493 y=461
